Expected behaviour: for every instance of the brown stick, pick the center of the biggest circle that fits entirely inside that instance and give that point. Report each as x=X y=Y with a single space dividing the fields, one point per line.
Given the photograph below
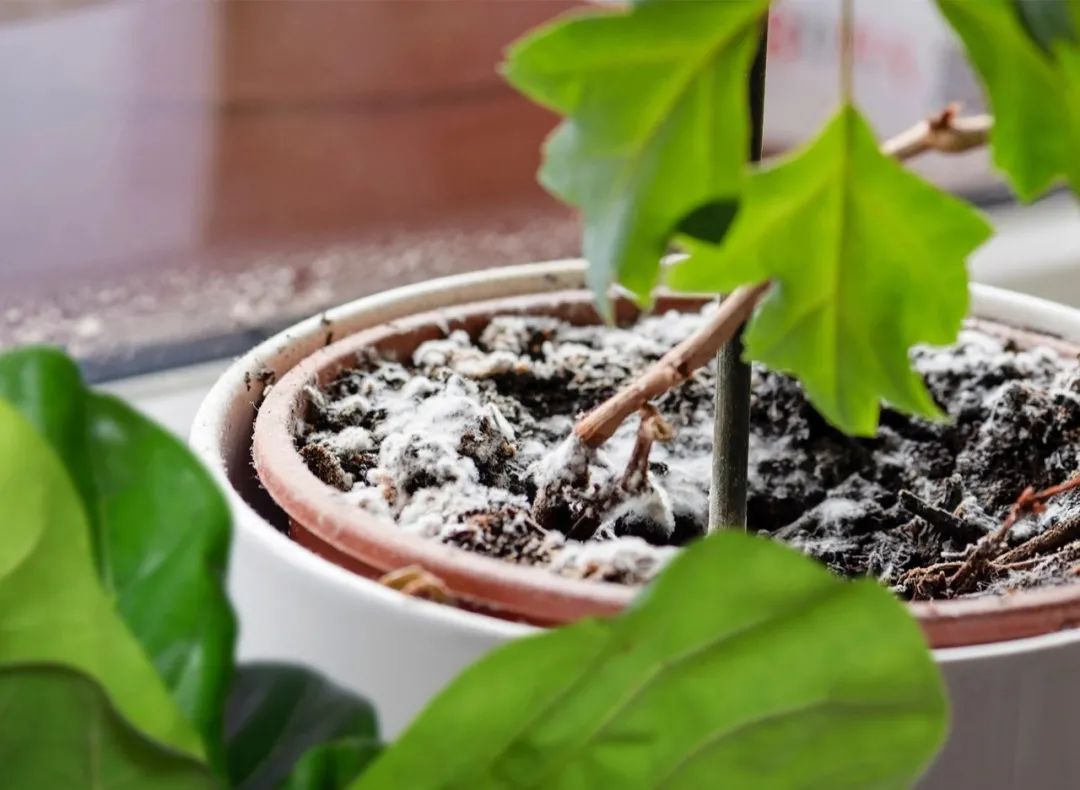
x=938 y=567
x=1067 y=555
x=947 y=524
x=653 y=428
x=672 y=369
x=635 y=479
x=942 y=132
x=987 y=548
x=1061 y=534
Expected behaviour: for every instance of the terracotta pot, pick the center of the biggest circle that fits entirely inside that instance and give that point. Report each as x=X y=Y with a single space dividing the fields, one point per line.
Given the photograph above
x=325 y=523
x=331 y=526
x=1013 y=701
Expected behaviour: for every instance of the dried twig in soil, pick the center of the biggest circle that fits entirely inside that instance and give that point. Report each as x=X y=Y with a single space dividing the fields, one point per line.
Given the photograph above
x=1061 y=534
x=943 y=132
x=414 y=581
x=1069 y=554
x=947 y=524
x=930 y=581
x=976 y=564
x=553 y=505
x=635 y=479
x=928 y=585
x=653 y=428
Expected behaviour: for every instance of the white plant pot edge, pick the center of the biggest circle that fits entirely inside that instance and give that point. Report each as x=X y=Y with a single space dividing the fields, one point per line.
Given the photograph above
x=259 y=548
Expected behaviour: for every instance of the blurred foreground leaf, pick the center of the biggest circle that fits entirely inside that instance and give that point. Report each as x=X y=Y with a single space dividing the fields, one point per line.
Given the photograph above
x=286 y=721
x=52 y=607
x=745 y=664
x=160 y=527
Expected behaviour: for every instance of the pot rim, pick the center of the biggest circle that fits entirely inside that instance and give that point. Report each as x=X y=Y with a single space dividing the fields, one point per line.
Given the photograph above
x=210 y=427
x=531 y=593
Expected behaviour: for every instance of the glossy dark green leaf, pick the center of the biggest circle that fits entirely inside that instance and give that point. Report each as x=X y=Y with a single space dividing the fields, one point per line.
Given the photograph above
x=332 y=766
x=277 y=713
x=53 y=608
x=657 y=123
x=160 y=527
x=867 y=260
x=745 y=665
x=47 y=388
x=59 y=732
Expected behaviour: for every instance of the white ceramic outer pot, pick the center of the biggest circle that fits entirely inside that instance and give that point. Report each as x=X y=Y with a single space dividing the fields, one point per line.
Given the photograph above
x=1015 y=705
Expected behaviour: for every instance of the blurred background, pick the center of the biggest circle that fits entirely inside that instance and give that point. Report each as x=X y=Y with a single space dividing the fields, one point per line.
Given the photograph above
x=181 y=178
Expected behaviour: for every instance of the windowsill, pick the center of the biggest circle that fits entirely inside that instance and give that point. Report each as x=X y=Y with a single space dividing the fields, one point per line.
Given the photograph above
x=1046 y=238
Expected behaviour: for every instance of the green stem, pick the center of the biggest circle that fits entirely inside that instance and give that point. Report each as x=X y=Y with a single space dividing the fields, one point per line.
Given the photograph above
x=731 y=424
x=847 y=50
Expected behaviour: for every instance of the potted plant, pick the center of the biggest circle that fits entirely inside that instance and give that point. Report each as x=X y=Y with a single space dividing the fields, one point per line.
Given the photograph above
x=841 y=260
x=117 y=667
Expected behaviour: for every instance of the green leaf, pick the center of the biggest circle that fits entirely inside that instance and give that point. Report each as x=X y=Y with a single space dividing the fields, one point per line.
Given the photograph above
x=710 y=221
x=52 y=606
x=277 y=713
x=1069 y=58
x=160 y=527
x=745 y=663
x=1048 y=21
x=1032 y=137
x=867 y=260
x=59 y=732
x=657 y=122
x=332 y=766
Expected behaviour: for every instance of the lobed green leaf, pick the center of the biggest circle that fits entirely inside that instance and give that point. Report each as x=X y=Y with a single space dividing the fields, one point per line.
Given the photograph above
x=1017 y=51
x=657 y=123
x=867 y=260
x=745 y=664
x=159 y=524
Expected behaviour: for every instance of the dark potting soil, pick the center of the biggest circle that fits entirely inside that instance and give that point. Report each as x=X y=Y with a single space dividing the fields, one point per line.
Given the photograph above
x=456 y=443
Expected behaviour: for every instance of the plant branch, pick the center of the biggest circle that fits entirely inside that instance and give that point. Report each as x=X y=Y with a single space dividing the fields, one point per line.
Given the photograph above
x=672 y=369
x=942 y=132
x=653 y=428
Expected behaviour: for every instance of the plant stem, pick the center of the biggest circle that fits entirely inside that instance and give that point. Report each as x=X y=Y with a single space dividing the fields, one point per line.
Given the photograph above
x=731 y=438
x=731 y=420
x=847 y=51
